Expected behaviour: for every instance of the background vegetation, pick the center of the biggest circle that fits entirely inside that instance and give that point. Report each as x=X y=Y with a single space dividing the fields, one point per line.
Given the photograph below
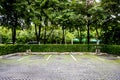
x=59 y=22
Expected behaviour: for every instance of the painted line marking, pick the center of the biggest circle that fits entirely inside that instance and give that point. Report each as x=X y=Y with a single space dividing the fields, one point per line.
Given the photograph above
x=21 y=58
x=73 y=57
x=48 y=57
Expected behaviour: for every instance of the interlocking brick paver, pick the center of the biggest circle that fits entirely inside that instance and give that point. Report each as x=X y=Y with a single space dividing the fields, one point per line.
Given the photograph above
x=59 y=67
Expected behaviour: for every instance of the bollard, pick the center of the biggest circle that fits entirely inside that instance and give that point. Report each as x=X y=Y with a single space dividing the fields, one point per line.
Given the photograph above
x=97 y=47
x=28 y=51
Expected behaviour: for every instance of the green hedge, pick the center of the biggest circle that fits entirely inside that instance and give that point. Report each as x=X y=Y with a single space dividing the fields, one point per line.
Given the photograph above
x=7 y=49
x=62 y=48
x=111 y=49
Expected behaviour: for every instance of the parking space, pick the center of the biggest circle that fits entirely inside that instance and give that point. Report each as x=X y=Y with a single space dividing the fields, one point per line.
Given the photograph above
x=60 y=67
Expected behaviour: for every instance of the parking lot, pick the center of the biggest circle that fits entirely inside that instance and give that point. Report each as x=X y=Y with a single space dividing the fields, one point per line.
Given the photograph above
x=60 y=67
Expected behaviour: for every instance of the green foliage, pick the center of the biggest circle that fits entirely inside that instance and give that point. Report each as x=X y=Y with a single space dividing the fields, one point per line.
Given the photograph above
x=5 y=34
x=61 y=48
x=25 y=36
x=7 y=49
x=111 y=26
x=70 y=15
x=111 y=49
x=69 y=36
x=111 y=35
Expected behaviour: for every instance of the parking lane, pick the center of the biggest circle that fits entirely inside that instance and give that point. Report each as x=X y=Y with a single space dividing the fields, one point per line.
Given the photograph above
x=73 y=57
x=22 y=58
x=48 y=57
x=59 y=67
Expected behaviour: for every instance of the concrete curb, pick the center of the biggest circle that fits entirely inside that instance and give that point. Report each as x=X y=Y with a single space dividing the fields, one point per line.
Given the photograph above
x=58 y=53
x=9 y=55
x=14 y=54
x=54 y=53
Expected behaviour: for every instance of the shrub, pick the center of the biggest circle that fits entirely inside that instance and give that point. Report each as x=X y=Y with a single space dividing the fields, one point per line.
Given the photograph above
x=7 y=49
x=111 y=49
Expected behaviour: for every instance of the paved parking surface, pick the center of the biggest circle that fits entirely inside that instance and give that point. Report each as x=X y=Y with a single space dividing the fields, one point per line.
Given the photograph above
x=60 y=67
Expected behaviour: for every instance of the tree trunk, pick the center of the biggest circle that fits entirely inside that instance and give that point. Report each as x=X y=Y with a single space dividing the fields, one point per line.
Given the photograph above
x=88 y=33
x=45 y=29
x=97 y=33
x=80 y=35
x=63 y=37
x=13 y=34
x=37 y=33
x=89 y=4
x=88 y=29
x=50 y=34
x=78 y=32
x=14 y=29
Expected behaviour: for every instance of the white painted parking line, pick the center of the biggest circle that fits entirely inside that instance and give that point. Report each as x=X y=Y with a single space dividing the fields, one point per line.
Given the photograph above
x=48 y=57
x=73 y=57
x=22 y=58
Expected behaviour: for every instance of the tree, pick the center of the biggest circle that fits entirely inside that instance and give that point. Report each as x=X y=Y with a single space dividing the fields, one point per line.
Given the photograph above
x=78 y=18
x=111 y=23
x=11 y=16
x=42 y=16
x=62 y=16
x=89 y=4
x=98 y=17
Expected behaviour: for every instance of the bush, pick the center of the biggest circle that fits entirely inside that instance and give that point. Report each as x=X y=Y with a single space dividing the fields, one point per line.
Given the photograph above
x=111 y=49
x=61 y=48
x=7 y=49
